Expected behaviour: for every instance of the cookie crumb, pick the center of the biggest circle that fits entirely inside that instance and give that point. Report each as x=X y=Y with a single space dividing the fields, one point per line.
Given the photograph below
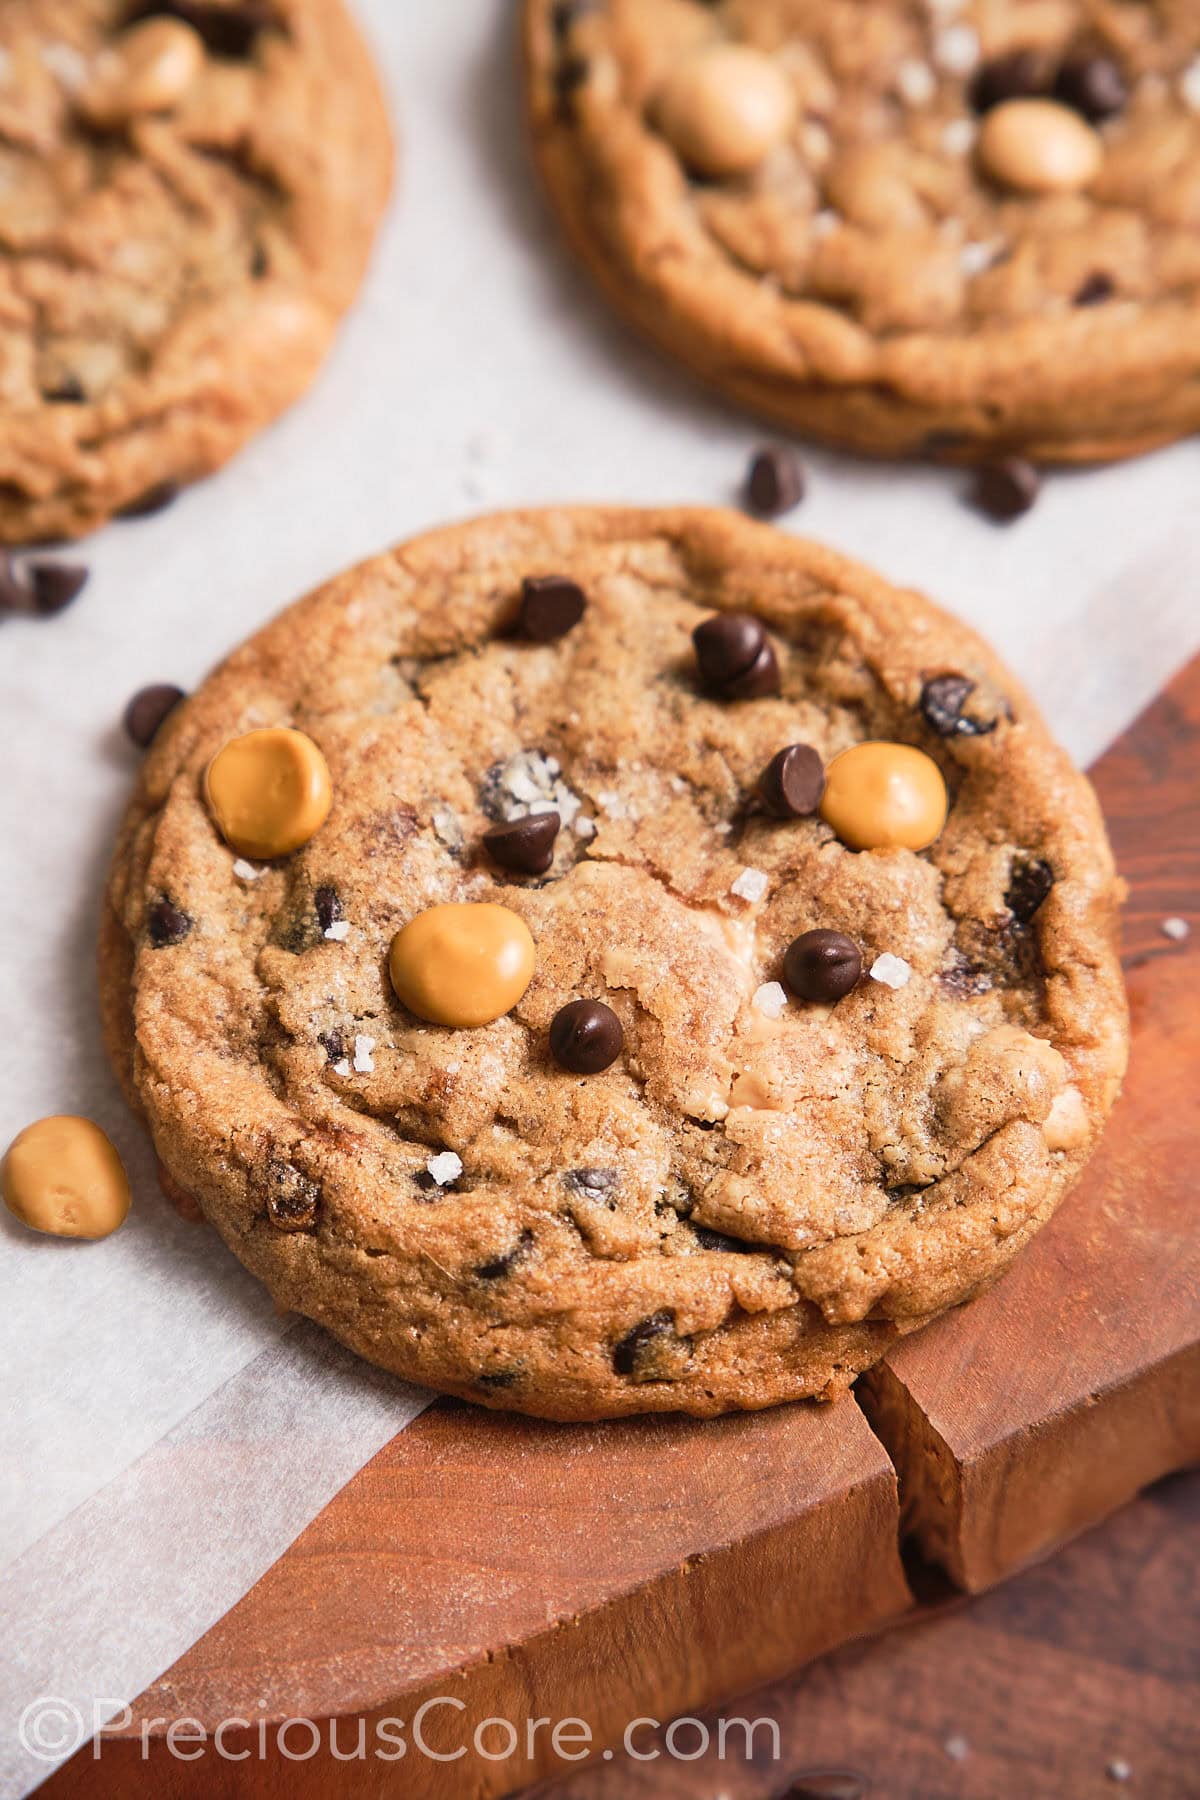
x=957 y=1747
x=364 y=1063
x=891 y=970
x=770 y=1000
x=445 y=1168
x=1176 y=929
x=338 y=932
x=751 y=884
x=246 y=871
x=1118 y=1769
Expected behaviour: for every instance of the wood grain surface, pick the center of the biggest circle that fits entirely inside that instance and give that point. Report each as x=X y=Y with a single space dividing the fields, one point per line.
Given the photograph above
x=654 y=1566
x=1020 y=1419
x=1077 y=1680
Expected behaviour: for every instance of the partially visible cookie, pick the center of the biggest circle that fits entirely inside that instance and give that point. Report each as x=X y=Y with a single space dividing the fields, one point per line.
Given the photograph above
x=605 y=961
x=189 y=191
x=911 y=227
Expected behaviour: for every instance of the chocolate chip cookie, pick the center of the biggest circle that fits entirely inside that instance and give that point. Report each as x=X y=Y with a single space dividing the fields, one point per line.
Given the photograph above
x=939 y=227
x=604 y=961
x=189 y=190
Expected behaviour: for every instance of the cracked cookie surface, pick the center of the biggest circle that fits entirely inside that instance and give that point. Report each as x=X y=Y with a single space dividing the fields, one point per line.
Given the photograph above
x=759 y=1193
x=859 y=233
x=188 y=196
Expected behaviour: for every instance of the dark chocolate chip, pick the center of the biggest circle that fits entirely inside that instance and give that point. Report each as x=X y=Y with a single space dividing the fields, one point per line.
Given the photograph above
x=526 y=846
x=653 y=1350
x=822 y=965
x=1005 y=489
x=327 y=904
x=147 y=710
x=593 y=1184
x=292 y=1198
x=774 y=482
x=230 y=30
x=708 y=1239
x=53 y=585
x=793 y=782
x=585 y=1037
x=828 y=1784
x=570 y=75
x=154 y=500
x=964 y=979
x=1018 y=76
x=565 y=14
x=551 y=605
x=333 y=1044
x=1098 y=288
x=500 y=1265
x=1030 y=882
x=942 y=700
x=167 y=924
x=67 y=391
x=735 y=657
x=499 y=1378
x=1093 y=85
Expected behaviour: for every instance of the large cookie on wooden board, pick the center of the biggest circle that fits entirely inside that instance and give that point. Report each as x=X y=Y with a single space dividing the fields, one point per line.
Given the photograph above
x=698 y=1158
x=936 y=227
x=189 y=191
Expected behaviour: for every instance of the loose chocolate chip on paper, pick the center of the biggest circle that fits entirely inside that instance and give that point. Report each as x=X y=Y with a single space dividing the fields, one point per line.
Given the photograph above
x=501 y=1265
x=942 y=700
x=148 y=709
x=1005 y=489
x=167 y=924
x=735 y=656
x=54 y=585
x=1098 y=288
x=551 y=605
x=525 y=846
x=1091 y=85
x=1029 y=884
x=793 y=781
x=1021 y=75
x=822 y=965
x=774 y=483
x=585 y=1037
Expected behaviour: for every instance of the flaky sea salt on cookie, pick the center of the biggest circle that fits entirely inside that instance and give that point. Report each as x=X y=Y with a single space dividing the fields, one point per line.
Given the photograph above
x=697 y=1110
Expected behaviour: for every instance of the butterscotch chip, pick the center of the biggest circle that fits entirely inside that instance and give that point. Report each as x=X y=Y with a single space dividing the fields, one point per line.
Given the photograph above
x=62 y=1176
x=895 y=260
x=1039 y=147
x=149 y=69
x=881 y=796
x=723 y=107
x=464 y=965
x=630 y=1171
x=187 y=204
x=269 y=791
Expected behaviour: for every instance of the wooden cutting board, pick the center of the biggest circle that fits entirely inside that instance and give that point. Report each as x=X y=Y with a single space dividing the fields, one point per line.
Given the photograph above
x=651 y=1567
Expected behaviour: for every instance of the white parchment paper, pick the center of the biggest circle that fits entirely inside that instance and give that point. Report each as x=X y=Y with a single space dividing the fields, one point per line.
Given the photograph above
x=479 y=371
